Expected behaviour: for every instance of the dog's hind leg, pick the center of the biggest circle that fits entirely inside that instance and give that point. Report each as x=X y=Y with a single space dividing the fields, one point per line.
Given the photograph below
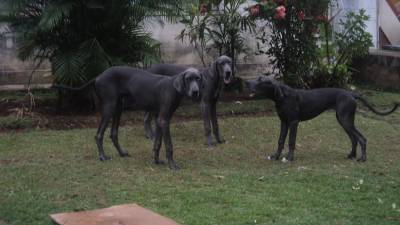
x=281 y=141
x=114 y=129
x=147 y=125
x=107 y=112
x=214 y=122
x=345 y=114
x=347 y=123
x=363 y=143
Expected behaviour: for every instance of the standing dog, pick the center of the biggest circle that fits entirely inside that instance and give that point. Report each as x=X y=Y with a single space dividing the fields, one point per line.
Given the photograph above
x=213 y=78
x=153 y=93
x=294 y=105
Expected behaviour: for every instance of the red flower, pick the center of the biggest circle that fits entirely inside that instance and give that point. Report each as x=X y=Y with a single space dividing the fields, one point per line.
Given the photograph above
x=322 y=18
x=203 y=8
x=254 y=10
x=301 y=15
x=280 y=12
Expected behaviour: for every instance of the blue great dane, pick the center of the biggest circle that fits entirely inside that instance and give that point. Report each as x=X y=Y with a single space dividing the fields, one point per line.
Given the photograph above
x=214 y=77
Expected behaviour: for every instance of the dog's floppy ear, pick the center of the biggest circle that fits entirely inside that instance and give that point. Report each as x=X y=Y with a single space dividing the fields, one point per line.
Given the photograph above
x=214 y=69
x=203 y=80
x=278 y=92
x=179 y=83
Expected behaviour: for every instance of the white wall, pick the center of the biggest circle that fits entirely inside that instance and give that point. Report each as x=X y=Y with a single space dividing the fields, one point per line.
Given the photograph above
x=176 y=51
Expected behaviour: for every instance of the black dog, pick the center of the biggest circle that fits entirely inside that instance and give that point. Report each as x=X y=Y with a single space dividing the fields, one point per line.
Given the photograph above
x=213 y=78
x=153 y=93
x=294 y=105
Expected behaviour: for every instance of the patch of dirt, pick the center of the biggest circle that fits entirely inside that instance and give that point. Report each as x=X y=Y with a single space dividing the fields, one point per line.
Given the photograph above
x=5 y=162
x=46 y=116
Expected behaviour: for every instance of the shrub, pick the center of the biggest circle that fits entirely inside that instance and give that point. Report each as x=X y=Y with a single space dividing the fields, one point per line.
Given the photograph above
x=288 y=36
x=83 y=38
x=217 y=25
x=352 y=41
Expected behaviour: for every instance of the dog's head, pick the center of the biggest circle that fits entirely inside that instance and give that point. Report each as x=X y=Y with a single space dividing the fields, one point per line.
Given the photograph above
x=223 y=66
x=266 y=86
x=189 y=83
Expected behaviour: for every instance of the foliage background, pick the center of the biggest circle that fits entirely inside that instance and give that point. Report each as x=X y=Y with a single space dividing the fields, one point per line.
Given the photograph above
x=82 y=38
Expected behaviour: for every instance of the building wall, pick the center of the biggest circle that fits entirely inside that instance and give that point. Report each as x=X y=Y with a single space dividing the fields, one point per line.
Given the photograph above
x=14 y=74
x=178 y=52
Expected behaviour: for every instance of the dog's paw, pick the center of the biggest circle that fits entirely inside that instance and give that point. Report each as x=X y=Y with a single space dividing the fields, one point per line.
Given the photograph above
x=273 y=157
x=124 y=154
x=103 y=158
x=351 y=157
x=220 y=140
x=159 y=162
x=362 y=159
x=210 y=145
x=173 y=166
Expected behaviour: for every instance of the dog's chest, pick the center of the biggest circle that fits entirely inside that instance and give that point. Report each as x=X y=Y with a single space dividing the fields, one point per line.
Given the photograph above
x=288 y=110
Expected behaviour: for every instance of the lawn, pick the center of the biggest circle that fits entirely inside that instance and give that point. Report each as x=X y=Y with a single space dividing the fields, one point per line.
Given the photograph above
x=46 y=171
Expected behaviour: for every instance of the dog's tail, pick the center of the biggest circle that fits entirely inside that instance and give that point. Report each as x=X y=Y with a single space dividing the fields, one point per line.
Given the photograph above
x=365 y=102
x=61 y=86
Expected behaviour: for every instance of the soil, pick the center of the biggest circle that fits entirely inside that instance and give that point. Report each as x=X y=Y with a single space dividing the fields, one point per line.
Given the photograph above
x=46 y=116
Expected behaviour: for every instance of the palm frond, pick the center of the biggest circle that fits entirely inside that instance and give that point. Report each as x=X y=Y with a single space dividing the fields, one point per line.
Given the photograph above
x=53 y=14
x=68 y=68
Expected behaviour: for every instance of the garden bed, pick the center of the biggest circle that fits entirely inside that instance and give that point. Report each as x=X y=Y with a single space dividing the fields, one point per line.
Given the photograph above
x=46 y=116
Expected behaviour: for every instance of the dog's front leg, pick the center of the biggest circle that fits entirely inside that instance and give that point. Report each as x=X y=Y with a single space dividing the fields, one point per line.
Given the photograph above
x=164 y=123
x=292 y=140
x=214 y=121
x=147 y=125
x=157 y=144
x=281 y=141
x=205 y=108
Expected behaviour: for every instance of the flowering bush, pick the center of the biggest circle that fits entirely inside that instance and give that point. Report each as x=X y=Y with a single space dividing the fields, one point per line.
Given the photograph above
x=288 y=36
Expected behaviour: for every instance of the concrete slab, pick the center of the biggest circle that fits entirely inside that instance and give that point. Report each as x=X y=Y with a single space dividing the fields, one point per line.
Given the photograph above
x=129 y=214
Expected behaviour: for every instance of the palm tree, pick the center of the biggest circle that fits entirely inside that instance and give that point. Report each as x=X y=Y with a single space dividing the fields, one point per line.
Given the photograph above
x=81 y=38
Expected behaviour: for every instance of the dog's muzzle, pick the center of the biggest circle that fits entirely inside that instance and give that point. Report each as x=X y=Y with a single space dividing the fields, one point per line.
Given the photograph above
x=251 y=89
x=227 y=77
x=195 y=94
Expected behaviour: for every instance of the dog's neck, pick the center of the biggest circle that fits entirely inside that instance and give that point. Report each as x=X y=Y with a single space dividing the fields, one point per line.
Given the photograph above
x=284 y=90
x=212 y=73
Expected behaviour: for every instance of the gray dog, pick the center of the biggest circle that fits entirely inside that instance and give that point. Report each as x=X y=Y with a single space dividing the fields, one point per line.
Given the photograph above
x=142 y=90
x=213 y=78
x=294 y=105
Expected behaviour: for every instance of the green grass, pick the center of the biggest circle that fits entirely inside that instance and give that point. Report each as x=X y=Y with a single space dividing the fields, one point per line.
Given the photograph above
x=14 y=122
x=45 y=172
